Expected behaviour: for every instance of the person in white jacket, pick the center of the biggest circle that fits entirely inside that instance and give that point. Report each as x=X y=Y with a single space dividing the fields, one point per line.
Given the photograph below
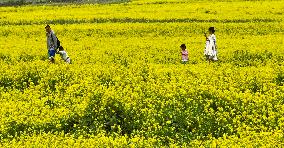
x=210 y=51
x=64 y=55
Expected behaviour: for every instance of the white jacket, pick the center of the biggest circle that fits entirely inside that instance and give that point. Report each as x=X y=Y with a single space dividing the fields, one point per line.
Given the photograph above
x=210 y=47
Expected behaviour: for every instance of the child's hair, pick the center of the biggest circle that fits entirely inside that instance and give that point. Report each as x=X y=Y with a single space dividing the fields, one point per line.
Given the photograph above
x=60 y=48
x=183 y=46
x=212 y=29
x=47 y=26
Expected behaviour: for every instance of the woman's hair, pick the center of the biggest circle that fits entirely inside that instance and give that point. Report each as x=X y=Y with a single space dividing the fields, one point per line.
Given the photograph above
x=183 y=46
x=212 y=29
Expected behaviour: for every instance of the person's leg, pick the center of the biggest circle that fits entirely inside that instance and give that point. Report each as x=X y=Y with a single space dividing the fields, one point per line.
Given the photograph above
x=207 y=58
x=210 y=59
x=52 y=55
x=215 y=58
x=51 y=60
x=68 y=61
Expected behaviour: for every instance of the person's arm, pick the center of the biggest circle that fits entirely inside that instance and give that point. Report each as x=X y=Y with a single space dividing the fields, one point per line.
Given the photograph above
x=47 y=41
x=215 y=42
x=59 y=52
x=54 y=39
x=47 y=45
x=205 y=36
x=184 y=53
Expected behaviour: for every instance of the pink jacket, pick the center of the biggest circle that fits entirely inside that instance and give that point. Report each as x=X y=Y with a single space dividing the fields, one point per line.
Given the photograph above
x=184 y=55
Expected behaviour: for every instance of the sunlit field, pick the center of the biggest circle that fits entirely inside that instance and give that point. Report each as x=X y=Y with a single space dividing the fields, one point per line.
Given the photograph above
x=126 y=86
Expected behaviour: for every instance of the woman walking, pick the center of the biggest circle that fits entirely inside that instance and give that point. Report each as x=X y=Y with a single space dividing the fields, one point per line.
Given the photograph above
x=210 y=51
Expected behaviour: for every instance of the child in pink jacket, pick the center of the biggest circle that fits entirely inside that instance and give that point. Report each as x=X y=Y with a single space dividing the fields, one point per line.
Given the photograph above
x=184 y=54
